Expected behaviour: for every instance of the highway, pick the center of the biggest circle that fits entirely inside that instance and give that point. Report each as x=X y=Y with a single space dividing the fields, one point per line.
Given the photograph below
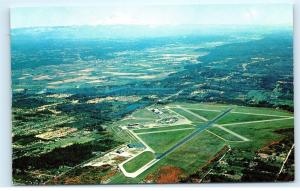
x=200 y=128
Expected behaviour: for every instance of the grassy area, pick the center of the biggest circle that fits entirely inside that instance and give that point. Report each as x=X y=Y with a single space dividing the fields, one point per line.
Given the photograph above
x=237 y=117
x=196 y=152
x=260 y=134
x=139 y=161
x=144 y=113
x=187 y=115
x=163 y=128
x=207 y=114
x=260 y=110
x=161 y=142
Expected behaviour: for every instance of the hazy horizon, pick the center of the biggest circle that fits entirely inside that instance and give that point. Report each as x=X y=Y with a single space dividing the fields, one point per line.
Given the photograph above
x=154 y=15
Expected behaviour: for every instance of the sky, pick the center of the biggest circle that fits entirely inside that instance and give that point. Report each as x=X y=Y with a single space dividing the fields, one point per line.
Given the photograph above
x=139 y=14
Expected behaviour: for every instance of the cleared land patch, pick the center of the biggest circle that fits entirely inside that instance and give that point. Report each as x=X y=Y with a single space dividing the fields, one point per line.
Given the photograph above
x=56 y=134
x=138 y=161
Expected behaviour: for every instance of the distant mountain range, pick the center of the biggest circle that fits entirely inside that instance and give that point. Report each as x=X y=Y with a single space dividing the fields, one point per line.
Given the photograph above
x=134 y=31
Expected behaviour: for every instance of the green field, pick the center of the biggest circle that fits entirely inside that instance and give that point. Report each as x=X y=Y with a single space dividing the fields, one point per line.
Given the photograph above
x=144 y=113
x=190 y=117
x=207 y=114
x=195 y=152
x=139 y=161
x=260 y=134
x=162 y=141
x=260 y=110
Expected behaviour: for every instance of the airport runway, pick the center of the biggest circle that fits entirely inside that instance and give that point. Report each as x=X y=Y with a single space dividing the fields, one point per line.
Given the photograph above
x=200 y=128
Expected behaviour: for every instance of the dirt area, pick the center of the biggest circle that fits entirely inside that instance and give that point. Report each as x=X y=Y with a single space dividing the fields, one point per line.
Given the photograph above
x=119 y=98
x=115 y=157
x=59 y=95
x=68 y=80
x=45 y=77
x=56 y=133
x=166 y=175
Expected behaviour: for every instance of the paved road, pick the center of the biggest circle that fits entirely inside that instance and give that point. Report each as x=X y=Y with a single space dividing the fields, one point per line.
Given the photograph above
x=200 y=128
x=139 y=171
x=145 y=144
x=192 y=113
x=231 y=132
